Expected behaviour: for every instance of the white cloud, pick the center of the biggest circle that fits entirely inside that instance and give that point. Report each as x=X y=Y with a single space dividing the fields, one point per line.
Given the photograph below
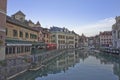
x=95 y=28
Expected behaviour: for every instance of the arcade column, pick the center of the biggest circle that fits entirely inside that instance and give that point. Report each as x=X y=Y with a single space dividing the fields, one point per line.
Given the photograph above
x=3 y=7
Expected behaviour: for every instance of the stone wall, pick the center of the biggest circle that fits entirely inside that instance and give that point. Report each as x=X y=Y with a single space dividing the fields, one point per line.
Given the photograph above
x=12 y=67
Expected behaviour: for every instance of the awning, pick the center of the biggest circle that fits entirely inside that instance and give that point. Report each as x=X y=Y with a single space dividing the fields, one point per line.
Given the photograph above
x=38 y=44
x=10 y=42
x=19 y=44
x=16 y=42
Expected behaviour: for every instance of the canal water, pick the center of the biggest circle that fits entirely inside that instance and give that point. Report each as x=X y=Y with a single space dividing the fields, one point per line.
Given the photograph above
x=78 y=65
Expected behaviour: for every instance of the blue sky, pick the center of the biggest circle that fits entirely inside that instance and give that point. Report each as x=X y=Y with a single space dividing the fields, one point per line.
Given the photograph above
x=82 y=16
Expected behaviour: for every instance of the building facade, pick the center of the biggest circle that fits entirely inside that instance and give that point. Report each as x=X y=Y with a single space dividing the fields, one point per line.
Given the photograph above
x=20 y=37
x=62 y=37
x=40 y=29
x=83 y=41
x=116 y=33
x=91 y=41
x=97 y=41
x=76 y=40
x=46 y=36
x=3 y=6
x=105 y=39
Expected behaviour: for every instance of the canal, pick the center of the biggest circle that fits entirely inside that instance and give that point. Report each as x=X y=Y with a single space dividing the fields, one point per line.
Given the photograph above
x=77 y=65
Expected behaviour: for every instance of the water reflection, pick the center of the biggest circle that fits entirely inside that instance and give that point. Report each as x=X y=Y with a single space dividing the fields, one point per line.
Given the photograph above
x=106 y=58
x=78 y=65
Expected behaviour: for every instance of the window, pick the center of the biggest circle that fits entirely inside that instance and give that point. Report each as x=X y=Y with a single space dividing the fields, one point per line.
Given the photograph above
x=26 y=35
x=17 y=50
x=22 y=49
x=44 y=35
x=6 y=50
x=15 y=34
x=114 y=32
x=33 y=36
x=119 y=34
x=21 y=34
x=53 y=35
x=53 y=41
x=25 y=48
x=47 y=35
x=21 y=18
x=13 y=50
x=6 y=31
x=10 y=50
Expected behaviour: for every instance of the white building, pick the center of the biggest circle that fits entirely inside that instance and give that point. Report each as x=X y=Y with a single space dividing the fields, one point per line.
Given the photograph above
x=62 y=37
x=76 y=40
x=116 y=33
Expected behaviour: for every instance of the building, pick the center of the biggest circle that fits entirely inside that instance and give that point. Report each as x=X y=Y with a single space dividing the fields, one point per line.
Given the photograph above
x=47 y=36
x=91 y=41
x=3 y=6
x=97 y=41
x=105 y=39
x=62 y=37
x=76 y=40
x=40 y=29
x=94 y=41
x=20 y=37
x=116 y=33
x=83 y=41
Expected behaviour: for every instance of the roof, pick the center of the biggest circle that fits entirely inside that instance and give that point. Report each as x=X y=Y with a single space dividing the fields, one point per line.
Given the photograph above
x=38 y=23
x=19 y=12
x=106 y=33
x=56 y=28
x=38 y=28
x=30 y=22
x=19 y=23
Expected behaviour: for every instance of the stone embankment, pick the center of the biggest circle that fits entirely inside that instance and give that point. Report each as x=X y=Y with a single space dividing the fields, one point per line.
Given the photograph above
x=111 y=50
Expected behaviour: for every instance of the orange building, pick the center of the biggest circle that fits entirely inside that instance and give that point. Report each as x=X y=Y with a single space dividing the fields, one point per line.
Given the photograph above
x=47 y=36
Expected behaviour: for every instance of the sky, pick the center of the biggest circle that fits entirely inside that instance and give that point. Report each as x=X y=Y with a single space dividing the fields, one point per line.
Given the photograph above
x=83 y=16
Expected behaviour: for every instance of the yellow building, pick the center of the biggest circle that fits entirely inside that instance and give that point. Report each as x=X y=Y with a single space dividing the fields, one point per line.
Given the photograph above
x=19 y=36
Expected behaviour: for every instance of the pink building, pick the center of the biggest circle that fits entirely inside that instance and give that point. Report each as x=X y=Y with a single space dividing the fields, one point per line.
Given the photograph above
x=106 y=39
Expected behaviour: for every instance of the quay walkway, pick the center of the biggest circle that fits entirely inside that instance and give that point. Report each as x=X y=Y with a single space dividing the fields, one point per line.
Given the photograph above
x=111 y=50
